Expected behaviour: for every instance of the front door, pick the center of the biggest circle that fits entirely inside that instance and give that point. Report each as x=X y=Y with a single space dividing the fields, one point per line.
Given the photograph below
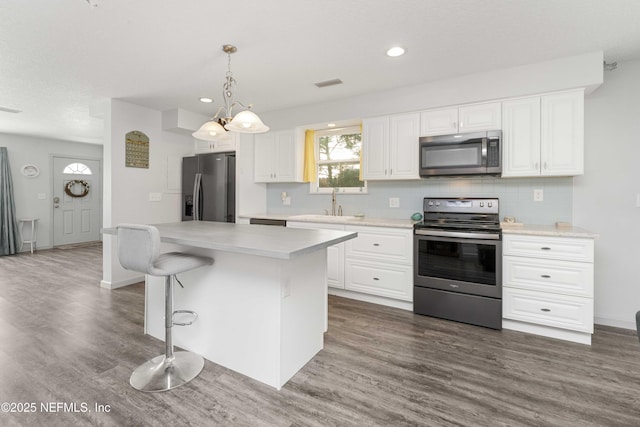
x=77 y=192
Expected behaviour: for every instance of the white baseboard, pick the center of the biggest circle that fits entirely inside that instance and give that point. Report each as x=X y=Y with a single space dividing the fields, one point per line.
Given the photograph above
x=115 y=285
x=547 y=331
x=624 y=324
x=405 y=305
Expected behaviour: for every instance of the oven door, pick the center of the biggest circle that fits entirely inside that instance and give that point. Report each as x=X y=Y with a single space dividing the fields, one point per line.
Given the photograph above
x=457 y=264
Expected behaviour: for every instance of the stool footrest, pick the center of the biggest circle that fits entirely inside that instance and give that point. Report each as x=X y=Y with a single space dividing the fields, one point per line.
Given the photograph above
x=192 y=313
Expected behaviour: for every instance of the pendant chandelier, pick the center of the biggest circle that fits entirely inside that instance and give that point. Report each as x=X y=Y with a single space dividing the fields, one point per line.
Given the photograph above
x=245 y=121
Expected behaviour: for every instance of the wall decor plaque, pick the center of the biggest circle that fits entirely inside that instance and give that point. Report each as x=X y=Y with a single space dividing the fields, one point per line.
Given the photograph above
x=137 y=150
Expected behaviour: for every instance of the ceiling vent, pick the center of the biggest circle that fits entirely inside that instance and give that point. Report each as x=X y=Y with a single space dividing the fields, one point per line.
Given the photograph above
x=10 y=110
x=329 y=83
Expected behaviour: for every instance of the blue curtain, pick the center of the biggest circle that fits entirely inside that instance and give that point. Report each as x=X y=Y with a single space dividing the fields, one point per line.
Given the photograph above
x=8 y=224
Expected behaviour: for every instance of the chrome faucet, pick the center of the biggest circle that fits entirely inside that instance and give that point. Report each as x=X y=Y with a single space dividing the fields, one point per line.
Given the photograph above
x=333 y=202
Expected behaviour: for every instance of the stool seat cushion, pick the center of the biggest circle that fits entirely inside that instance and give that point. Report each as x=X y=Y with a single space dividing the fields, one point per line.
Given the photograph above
x=177 y=262
x=139 y=250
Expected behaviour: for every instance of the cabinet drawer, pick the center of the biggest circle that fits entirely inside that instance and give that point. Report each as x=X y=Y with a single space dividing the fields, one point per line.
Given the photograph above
x=378 y=244
x=560 y=248
x=388 y=280
x=562 y=277
x=560 y=311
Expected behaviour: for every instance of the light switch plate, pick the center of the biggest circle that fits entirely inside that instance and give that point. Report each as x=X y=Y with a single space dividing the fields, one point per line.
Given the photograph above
x=394 y=202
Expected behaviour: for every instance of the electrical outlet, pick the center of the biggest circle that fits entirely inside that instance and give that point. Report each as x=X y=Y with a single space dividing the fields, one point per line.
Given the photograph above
x=155 y=197
x=286 y=201
x=394 y=202
x=538 y=195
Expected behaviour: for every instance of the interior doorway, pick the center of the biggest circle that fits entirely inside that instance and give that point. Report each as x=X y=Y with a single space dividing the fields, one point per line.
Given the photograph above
x=76 y=201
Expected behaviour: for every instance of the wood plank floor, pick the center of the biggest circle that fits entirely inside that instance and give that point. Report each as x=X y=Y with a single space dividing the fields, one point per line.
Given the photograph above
x=63 y=340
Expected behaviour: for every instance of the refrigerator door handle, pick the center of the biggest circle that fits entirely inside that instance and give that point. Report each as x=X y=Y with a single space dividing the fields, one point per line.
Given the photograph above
x=196 y=196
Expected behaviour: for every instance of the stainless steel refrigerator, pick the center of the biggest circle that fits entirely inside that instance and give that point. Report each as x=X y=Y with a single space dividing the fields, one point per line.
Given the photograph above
x=209 y=187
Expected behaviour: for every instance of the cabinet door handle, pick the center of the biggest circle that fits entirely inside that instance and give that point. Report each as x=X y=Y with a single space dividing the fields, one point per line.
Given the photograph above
x=545 y=165
x=375 y=278
x=390 y=171
x=546 y=310
x=545 y=248
x=535 y=166
x=376 y=244
x=545 y=276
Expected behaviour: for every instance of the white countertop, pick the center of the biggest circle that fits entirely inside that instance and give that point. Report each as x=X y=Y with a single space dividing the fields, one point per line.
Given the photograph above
x=346 y=220
x=261 y=240
x=547 y=230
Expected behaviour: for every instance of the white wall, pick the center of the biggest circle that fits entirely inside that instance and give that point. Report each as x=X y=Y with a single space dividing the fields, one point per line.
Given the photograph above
x=605 y=198
x=39 y=151
x=126 y=190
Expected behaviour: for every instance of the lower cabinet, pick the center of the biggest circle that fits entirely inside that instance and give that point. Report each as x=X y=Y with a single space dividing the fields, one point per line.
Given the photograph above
x=389 y=280
x=335 y=253
x=548 y=286
x=377 y=263
x=380 y=262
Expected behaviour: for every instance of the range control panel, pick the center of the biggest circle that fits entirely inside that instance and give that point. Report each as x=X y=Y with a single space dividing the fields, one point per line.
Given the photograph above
x=461 y=205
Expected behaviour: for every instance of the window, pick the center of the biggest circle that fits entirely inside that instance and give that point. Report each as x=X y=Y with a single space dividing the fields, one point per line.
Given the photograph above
x=77 y=169
x=338 y=161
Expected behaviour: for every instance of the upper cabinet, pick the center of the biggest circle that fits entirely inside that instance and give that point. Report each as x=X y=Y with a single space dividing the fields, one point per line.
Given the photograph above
x=216 y=146
x=278 y=157
x=390 y=147
x=468 y=118
x=544 y=135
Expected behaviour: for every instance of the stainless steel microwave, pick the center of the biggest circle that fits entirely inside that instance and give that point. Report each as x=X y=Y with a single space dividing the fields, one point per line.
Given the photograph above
x=477 y=153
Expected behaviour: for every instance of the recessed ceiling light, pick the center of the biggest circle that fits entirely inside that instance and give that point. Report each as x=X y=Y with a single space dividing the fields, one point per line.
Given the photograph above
x=331 y=125
x=395 y=51
x=206 y=100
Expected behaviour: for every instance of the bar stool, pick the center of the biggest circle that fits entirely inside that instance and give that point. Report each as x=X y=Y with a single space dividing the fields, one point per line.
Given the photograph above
x=139 y=250
x=34 y=232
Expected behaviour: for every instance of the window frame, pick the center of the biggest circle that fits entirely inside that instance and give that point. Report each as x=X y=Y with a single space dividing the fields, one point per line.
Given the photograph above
x=77 y=171
x=314 y=187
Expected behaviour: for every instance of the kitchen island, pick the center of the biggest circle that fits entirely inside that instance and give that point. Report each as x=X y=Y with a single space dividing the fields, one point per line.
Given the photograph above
x=262 y=305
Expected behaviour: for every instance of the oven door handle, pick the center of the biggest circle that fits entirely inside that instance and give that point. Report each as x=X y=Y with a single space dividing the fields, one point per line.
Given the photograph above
x=464 y=235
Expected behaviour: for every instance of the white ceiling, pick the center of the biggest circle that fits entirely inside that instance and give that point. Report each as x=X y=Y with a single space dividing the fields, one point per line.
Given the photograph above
x=57 y=57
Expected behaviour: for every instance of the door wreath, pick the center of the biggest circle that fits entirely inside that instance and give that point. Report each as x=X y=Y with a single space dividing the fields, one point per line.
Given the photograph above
x=68 y=188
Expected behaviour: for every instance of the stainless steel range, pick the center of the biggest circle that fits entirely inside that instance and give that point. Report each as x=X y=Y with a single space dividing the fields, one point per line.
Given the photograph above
x=458 y=261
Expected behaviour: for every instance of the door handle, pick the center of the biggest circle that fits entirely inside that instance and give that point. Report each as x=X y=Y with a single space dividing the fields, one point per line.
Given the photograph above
x=483 y=151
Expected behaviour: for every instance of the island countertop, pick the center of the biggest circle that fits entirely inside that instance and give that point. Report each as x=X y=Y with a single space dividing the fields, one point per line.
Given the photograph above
x=261 y=240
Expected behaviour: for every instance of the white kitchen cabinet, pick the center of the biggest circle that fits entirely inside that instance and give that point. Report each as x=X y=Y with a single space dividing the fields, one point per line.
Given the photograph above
x=278 y=157
x=521 y=137
x=467 y=118
x=548 y=286
x=380 y=262
x=390 y=147
x=335 y=253
x=543 y=135
x=562 y=134
x=217 y=146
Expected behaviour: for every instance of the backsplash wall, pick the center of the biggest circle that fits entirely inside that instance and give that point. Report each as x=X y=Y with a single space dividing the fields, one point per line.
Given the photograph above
x=515 y=194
